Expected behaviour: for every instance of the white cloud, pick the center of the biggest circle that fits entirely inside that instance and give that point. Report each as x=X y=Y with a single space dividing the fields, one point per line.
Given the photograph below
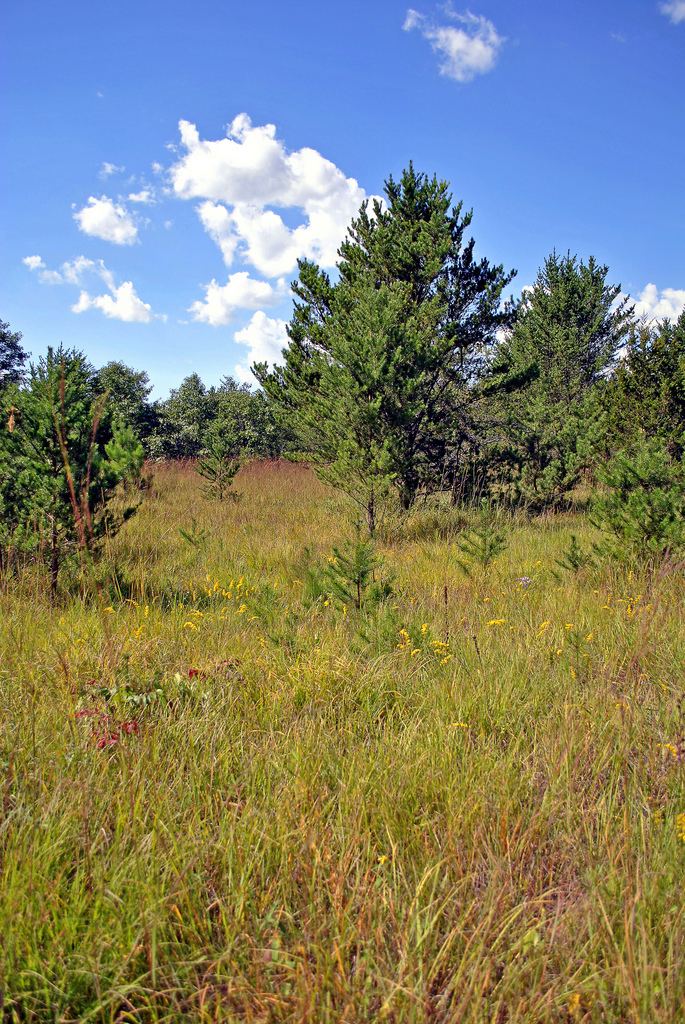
x=674 y=10
x=216 y=220
x=466 y=51
x=654 y=304
x=33 y=262
x=145 y=196
x=103 y=218
x=71 y=272
x=265 y=338
x=120 y=302
x=107 y=169
x=246 y=177
x=240 y=292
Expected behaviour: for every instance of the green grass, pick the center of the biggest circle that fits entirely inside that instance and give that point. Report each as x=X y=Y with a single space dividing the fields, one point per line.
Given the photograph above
x=322 y=818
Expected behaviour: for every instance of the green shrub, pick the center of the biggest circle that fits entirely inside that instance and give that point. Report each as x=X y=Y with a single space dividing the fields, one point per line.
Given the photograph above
x=484 y=542
x=643 y=511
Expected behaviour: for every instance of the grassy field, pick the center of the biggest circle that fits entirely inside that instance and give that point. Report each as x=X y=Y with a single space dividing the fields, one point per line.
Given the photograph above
x=222 y=802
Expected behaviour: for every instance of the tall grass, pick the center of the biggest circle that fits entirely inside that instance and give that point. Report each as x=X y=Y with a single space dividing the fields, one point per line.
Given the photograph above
x=461 y=806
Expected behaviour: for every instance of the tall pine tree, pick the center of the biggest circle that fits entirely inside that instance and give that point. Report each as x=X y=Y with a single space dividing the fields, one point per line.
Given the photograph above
x=569 y=329
x=647 y=392
x=70 y=457
x=380 y=362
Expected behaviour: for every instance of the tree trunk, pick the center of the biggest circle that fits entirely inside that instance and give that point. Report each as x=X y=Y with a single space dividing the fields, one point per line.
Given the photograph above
x=54 y=562
x=407 y=495
x=371 y=513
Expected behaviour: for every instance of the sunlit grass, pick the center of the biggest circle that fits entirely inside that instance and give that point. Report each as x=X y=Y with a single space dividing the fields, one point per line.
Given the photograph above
x=462 y=806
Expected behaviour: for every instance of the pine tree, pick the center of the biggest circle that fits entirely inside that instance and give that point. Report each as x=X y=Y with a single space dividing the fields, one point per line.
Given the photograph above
x=70 y=459
x=566 y=337
x=484 y=542
x=379 y=364
x=219 y=463
x=12 y=356
x=12 y=359
x=642 y=511
x=647 y=392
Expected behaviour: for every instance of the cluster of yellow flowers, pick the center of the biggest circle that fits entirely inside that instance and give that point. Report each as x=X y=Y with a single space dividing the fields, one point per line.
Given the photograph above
x=440 y=648
x=237 y=591
x=670 y=750
x=405 y=640
x=680 y=826
x=632 y=603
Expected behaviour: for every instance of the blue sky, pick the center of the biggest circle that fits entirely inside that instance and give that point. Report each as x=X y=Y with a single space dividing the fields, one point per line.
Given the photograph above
x=562 y=125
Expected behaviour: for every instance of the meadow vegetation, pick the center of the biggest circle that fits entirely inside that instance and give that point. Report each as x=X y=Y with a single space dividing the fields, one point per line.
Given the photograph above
x=357 y=697
x=228 y=797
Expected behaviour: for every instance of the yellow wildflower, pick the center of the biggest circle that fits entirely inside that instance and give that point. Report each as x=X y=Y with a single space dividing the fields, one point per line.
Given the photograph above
x=574 y=1005
x=496 y=622
x=680 y=827
x=543 y=627
x=189 y=625
x=669 y=748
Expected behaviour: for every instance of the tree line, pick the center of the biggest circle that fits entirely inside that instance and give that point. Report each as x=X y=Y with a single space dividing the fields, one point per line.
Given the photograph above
x=409 y=373
x=412 y=373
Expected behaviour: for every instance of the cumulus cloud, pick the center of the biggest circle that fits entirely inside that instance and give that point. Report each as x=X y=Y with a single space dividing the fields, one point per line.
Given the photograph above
x=664 y=304
x=33 y=262
x=216 y=220
x=466 y=49
x=146 y=196
x=265 y=338
x=107 y=169
x=71 y=271
x=245 y=178
x=240 y=292
x=119 y=302
x=103 y=218
x=674 y=10
x=122 y=303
